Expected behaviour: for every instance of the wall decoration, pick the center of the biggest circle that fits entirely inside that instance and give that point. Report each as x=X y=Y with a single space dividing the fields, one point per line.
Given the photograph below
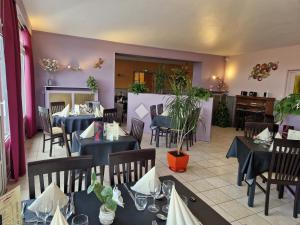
x=261 y=71
x=98 y=64
x=49 y=65
x=292 y=84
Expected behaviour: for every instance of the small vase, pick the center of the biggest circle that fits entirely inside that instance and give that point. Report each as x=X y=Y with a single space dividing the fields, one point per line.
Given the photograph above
x=106 y=216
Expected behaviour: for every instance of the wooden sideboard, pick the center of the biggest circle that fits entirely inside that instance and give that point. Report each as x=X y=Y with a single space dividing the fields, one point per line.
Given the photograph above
x=249 y=105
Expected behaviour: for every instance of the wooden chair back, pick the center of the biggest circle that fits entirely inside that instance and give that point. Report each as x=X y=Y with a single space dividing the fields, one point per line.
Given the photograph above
x=285 y=163
x=137 y=129
x=45 y=120
x=65 y=171
x=153 y=112
x=120 y=111
x=66 y=141
x=254 y=128
x=57 y=106
x=110 y=115
x=160 y=109
x=130 y=166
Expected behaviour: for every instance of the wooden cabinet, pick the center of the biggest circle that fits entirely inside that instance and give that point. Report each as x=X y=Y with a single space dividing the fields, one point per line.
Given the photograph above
x=248 y=105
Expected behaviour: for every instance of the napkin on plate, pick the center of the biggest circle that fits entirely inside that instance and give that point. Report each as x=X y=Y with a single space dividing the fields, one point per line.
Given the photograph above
x=58 y=218
x=179 y=213
x=97 y=113
x=101 y=110
x=88 y=132
x=277 y=136
x=51 y=195
x=293 y=135
x=264 y=135
x=64 y=113
x=142 y=186
x=77 y=109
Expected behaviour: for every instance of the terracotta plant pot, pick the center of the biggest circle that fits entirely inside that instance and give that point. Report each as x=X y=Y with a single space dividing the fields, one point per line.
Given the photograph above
x=177 y=163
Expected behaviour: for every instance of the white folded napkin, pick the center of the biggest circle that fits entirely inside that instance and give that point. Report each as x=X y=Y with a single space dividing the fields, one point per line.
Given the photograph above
x=179 y=213
x=142 y=186
x=88 y=132
x=277 y=136
x=110 y=131
x=101 y=110
x=264 y=135
x=116 y=129
x=77 y=109
x=97 y=113
x=66 y=111
x=58 y=218
x=51 y=195
x=293 y=135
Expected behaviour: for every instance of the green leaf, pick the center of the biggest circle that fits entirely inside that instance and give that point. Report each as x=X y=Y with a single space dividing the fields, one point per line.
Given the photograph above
x=110 y=204
x=98 y=190
x=107 y=192
x=90 y=189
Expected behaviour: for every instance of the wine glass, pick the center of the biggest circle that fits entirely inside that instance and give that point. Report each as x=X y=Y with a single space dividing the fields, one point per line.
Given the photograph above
x=80 y=220
x=140 y=201
x=167 y=187
x=155 y=188
x=44 y=212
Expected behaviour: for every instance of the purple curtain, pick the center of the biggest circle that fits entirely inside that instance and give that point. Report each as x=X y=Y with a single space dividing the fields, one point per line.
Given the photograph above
x=30 y=115
x=11 y=43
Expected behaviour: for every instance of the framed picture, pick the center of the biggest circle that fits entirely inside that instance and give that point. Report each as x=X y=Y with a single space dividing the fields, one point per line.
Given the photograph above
x=292 y=85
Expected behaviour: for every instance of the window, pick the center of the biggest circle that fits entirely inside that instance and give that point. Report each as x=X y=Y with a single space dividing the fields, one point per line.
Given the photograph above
x=4 y=90
x=23 y=90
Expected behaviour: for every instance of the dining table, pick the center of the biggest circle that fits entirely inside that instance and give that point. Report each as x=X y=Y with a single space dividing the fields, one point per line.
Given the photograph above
x=75 y=122
x=253 y=159
x=89 y=205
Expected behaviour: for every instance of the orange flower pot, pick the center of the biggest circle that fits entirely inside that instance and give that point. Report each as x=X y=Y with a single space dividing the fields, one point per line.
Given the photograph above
x=177 y=163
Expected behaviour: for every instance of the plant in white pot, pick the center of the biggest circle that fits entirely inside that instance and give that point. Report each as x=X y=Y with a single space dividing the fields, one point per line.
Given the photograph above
x=110 y=199
x=184 y=110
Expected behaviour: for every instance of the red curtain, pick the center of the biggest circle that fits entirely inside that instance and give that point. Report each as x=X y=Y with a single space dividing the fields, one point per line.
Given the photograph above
x=30 y=115
x=11 y=43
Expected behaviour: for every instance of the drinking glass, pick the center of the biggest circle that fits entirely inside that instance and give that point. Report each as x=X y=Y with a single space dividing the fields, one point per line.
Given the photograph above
x=140 y=201
x=44 y=212
x=155 y=188
x=167 y=189
x=80 y=220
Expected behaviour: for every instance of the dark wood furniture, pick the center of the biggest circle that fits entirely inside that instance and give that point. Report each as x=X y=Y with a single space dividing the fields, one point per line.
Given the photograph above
x=130 y=166
x=137 y=130
x=249 y=105
x=284 y=170
x=153 y=113
x=49 y=133
x=66 y=141
x=71 y=166
x=160 y=109
x=57 y=107
x=252 y=129
x=110 y=115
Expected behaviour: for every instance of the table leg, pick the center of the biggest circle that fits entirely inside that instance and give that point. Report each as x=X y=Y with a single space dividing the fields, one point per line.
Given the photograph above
x=239 y=176
x=251 y=193
x=157 y=137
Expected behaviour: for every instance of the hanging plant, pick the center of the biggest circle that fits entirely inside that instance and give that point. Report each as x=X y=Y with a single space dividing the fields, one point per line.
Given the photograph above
x=289 y=105
x=92 y=84
x=261 y=71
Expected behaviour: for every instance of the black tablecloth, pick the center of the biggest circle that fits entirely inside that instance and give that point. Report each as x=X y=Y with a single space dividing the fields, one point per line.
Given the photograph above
x=74 y=123
x=101 y=149
x=161 y=121
x=89 y=205
x=253 y=158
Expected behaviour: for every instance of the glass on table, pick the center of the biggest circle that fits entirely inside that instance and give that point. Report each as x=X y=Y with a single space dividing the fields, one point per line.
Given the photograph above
x=80 y=220
x=44 y=212
x=140 y=201
x=155 y=188
x=167 y=187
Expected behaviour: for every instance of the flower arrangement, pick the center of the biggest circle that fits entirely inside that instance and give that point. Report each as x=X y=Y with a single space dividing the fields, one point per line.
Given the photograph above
x=92 y=83
x=110 y=197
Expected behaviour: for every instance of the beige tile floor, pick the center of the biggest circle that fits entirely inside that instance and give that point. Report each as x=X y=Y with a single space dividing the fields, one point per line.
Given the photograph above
x=210 y=176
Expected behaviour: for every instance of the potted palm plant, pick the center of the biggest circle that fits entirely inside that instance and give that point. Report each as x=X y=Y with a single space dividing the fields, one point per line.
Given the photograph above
x=184 y=111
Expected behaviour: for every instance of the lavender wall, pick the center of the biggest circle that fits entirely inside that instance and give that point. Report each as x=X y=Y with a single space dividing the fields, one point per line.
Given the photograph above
x=239 y=67
x=85 y=51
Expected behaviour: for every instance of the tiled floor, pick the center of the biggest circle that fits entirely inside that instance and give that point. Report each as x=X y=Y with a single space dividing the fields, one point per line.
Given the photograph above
x=210 y=175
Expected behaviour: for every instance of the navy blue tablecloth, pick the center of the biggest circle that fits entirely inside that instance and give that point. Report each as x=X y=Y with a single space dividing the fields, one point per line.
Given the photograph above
x=161 y=121
x=90 y=206
x=74 y=123
x=101 y=149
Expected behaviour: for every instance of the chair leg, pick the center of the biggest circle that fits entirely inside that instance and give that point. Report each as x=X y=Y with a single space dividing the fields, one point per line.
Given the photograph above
x=280 y=191
x=102 y=170
x=44 y=142
x=296 y=201
x=267 y=198
x=167 y=139
x=151 y=136
x=51 y=141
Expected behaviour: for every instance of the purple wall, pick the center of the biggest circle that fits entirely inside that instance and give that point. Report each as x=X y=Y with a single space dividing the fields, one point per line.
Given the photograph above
x=85 y=51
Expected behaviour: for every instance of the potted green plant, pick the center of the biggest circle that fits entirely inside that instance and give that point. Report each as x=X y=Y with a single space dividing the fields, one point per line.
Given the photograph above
x=92 y=83
x=184 y=111
x=109 y=197
x=289 y=105
x=160 y=76
x=137 y=88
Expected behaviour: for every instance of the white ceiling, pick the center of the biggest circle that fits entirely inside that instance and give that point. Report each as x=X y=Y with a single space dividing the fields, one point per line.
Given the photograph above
x=223 y=27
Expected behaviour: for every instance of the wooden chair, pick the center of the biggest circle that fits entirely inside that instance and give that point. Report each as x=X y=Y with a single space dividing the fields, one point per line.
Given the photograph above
x=67 y=167
x=48 y=131
x=120 y=112
x=160 y=109
x=130 y=166
x=284 y=170
x=254 y=128
x=153 y=114
x=110 y=115
x=137 y=130
x=66 y=141
x=57 y=107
